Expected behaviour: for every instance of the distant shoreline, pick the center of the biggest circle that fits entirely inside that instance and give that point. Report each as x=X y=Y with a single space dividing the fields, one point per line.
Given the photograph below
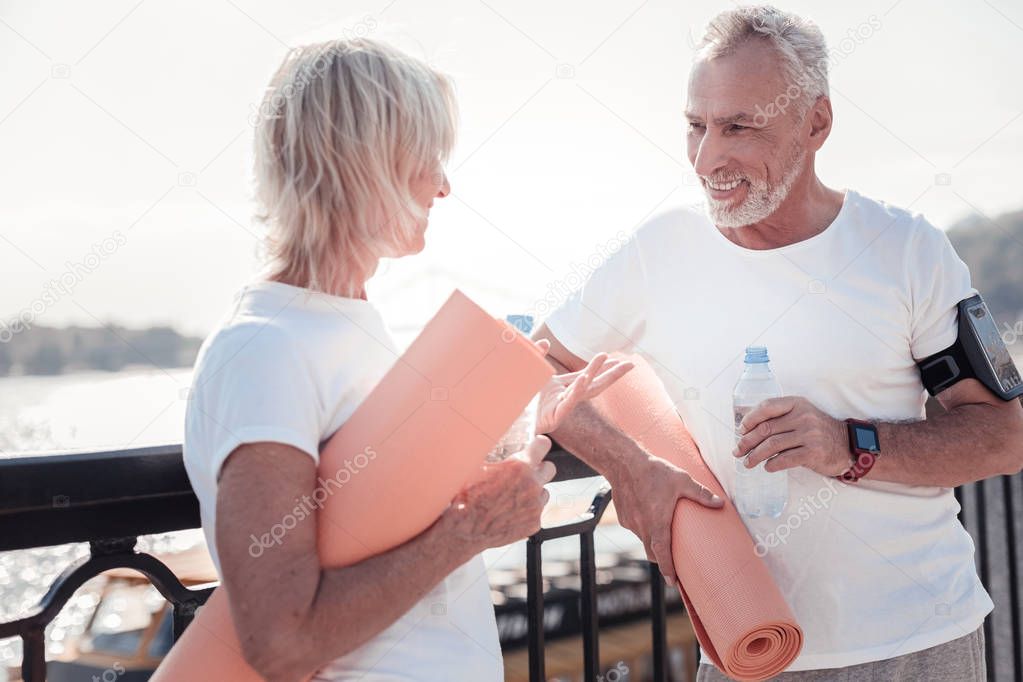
x=51 y=351
x=83 y=372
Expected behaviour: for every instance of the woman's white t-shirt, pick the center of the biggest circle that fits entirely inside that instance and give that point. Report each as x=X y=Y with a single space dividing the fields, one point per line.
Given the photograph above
x=290 y=366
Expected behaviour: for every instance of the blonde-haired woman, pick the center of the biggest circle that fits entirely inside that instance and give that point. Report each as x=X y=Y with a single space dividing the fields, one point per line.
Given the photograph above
x=350 y=148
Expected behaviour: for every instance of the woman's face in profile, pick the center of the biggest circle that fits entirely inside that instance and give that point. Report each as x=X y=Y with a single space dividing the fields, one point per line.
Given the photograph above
x=431 y=185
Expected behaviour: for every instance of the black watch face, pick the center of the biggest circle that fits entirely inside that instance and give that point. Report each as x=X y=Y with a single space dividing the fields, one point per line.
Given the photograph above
x=995 y=353
x=866 y=438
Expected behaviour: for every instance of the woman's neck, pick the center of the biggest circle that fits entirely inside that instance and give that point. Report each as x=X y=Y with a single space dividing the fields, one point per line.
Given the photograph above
x=303 y=283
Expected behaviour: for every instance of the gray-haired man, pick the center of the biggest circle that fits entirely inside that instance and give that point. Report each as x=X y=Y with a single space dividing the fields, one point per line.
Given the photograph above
x=846 y=292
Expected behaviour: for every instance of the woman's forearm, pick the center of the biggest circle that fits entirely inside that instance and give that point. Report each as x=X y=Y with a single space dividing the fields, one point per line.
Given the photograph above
x=291 y=615
x=353 y=604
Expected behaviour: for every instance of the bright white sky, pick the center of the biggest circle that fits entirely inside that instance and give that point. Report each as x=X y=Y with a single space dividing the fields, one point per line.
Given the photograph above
x=133 y=116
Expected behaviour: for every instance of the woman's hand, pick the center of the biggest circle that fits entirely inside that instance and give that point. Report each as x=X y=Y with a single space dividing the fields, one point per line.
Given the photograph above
x=564 y=391
x=504 y=503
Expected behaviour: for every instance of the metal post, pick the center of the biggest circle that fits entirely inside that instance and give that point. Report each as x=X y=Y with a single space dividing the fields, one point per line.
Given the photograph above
x=33 y=657
x=588 y=596
x=658 y=623
x=1010 y=533
x=534 y=609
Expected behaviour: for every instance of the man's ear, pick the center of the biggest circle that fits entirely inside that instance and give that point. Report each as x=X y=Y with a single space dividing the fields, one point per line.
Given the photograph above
x=819 y=118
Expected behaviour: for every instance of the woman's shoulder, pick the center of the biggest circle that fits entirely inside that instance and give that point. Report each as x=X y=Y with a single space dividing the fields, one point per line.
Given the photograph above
x=244 y=344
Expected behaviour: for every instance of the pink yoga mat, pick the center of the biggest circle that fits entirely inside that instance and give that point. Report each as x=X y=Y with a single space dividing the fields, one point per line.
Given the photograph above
x=431 y=420
x=737 y=611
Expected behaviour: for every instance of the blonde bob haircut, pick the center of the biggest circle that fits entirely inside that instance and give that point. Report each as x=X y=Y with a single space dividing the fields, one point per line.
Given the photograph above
x=345 y=128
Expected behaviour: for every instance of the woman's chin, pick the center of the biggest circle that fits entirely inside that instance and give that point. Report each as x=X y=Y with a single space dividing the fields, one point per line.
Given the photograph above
x=418 y=244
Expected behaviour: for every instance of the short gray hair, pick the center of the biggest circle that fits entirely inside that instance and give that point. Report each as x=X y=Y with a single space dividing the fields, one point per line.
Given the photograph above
x=799 y=43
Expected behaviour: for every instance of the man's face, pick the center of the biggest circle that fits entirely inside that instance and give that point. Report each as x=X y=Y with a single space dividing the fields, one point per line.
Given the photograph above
x=745 y=134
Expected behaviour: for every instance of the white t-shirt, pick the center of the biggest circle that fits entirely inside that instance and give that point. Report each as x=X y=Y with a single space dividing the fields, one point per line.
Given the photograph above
x=290 y=366
x=872 y=570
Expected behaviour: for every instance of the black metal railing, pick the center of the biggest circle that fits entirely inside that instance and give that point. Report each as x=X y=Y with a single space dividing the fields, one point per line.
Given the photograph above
x=108 y=499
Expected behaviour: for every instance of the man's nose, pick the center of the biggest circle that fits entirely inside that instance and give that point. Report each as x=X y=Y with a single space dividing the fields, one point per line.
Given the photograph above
x=710 y=155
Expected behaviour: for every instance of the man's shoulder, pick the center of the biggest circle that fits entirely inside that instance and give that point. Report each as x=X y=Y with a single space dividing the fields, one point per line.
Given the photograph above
x=880 y=215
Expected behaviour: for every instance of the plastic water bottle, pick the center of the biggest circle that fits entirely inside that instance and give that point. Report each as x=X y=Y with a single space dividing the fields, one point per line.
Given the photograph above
x=758 y=492
x=523 y=429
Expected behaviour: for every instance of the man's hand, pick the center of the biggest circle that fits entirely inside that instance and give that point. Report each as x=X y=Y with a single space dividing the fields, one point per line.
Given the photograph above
x=645 y=496
x=792 y=432
x=564 y=391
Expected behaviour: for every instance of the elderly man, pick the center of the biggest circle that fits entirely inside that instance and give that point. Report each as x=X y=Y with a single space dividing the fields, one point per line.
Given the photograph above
x=846 y=292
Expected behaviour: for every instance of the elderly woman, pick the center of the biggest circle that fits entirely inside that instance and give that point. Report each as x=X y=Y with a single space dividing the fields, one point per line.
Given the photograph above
x=349 y=153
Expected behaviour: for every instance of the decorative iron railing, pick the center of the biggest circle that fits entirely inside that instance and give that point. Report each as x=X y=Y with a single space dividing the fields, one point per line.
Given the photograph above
x=109 y=499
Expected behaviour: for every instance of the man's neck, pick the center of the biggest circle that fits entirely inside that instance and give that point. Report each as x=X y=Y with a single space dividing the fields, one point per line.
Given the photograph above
x=807 y=211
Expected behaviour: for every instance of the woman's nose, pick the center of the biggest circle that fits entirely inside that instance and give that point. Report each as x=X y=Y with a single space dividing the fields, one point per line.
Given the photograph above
x=445 y=186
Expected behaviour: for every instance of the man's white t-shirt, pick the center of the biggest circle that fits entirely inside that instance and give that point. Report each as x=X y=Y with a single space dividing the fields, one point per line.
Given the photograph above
x=290 y=366
x=871 y=570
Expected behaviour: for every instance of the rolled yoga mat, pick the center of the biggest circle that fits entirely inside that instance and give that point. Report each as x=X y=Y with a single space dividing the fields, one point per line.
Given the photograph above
x=431 y=421
x=738 y=613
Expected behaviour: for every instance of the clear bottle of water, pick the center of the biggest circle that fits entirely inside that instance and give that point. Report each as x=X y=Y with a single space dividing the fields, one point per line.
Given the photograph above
x=523 y=429
x=758 y=492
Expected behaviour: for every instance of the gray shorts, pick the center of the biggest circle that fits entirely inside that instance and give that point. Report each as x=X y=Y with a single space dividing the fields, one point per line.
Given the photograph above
x=961 y=660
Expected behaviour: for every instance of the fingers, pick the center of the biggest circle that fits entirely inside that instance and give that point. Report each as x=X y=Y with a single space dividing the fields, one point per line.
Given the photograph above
x=582 y=379
x=764 y=430
x=787 y=460
x=608 y=377
x=569 y=399
x=535 y=451
x=543 y=345
x=595 y=364
x=544 y=473
x=771 y=446
x=660 y=547
x=702 y=494
x=768 y=409
x=577 y=389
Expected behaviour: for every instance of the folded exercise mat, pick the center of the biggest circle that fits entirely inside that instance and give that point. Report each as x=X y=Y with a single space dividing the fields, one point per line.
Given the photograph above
x=739 y=615
x=430 y=421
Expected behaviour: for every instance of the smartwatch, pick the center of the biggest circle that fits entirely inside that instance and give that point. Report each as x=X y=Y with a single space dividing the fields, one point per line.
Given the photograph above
x=864 y=446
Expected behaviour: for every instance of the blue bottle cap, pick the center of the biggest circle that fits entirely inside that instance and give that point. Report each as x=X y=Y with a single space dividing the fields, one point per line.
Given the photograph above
x=756 y=355
x=524 y=323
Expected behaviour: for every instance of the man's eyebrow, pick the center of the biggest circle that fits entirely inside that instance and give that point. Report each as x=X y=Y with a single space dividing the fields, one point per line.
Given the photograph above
x=740 y=117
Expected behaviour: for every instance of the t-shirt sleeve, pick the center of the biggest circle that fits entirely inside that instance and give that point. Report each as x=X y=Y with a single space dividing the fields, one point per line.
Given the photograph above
x=939 y=280
x=252 y=386
x=608 y=312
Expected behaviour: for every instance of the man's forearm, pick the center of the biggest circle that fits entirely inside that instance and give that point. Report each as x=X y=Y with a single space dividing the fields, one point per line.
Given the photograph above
x=969 y=443
x=588 y=435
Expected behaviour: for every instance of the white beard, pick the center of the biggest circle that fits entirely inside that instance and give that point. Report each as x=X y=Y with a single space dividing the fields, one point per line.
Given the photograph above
x=762 y=198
